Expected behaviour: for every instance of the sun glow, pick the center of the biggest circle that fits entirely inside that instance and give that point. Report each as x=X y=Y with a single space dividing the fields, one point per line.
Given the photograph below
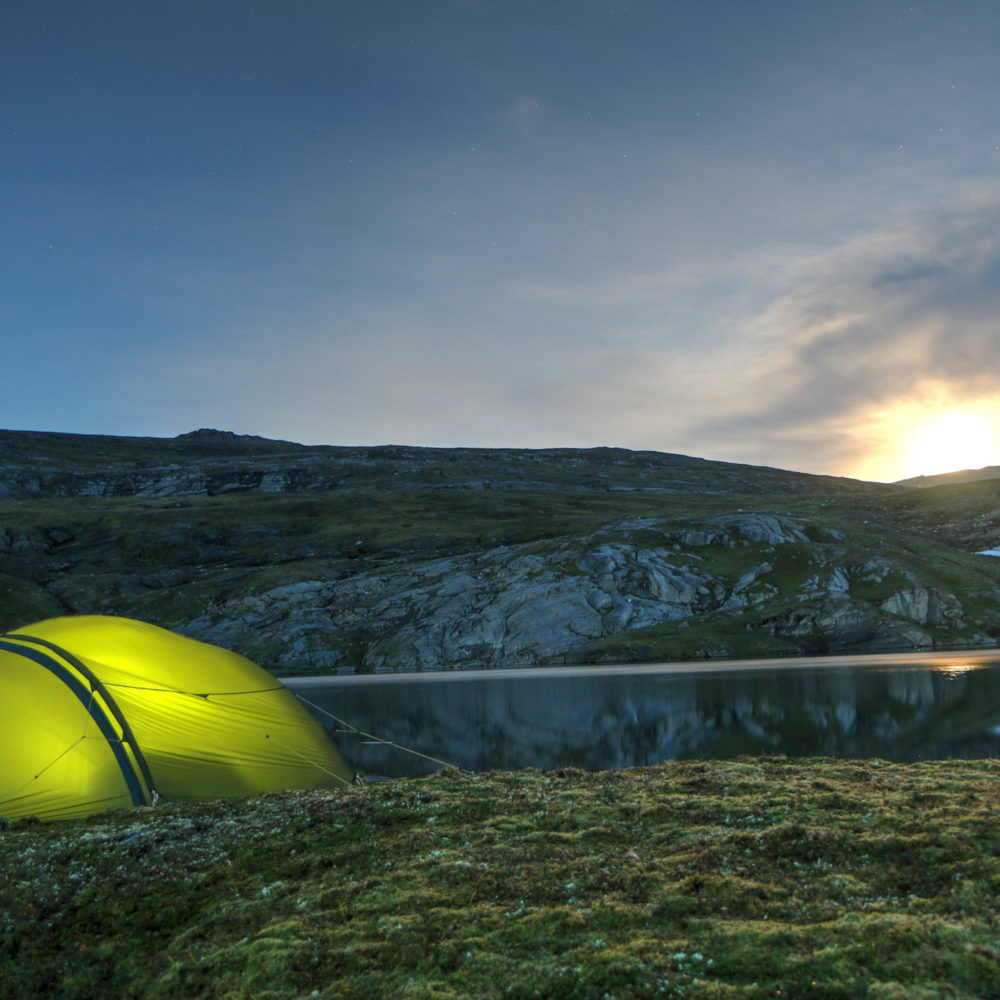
x=951 y=441
x=927 y=435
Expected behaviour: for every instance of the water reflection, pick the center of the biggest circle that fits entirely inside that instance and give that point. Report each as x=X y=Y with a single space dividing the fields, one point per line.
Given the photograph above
x=956 y=669
x=921 y=709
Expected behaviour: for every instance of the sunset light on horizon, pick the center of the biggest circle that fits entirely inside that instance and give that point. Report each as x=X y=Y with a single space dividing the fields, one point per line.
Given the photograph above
x=950 y=442
x=909 y=440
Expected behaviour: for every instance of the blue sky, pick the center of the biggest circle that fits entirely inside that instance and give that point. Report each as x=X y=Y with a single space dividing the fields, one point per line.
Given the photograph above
x=762 y=232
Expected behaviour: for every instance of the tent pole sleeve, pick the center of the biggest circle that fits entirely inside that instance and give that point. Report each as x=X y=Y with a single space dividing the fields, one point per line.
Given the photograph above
x=92 y=707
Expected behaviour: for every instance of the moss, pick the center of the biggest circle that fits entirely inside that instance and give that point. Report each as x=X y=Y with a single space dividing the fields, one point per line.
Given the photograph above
x=23 y=601
x=738 y=878
x=720 y=634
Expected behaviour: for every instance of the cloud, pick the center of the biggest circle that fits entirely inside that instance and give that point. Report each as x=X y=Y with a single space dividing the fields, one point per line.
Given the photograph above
x=525 y=113
x=897 y=317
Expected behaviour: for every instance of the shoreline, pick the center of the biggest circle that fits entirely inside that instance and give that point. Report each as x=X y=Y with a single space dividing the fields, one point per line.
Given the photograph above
x=920 y=659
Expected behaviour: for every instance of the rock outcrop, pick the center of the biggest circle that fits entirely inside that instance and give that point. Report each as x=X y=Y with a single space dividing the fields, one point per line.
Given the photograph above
x=515 y=605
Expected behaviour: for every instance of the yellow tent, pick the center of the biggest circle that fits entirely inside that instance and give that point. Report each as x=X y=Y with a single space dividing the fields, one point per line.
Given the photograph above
x=99 y=712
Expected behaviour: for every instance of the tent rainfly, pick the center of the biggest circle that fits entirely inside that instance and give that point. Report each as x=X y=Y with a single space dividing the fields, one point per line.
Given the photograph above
x=101 y=712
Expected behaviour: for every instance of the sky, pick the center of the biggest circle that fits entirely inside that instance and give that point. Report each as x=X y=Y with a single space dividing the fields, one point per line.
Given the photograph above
x=763 y=232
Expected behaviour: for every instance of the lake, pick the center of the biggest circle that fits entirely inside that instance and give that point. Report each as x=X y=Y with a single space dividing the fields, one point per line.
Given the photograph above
x=908 y=706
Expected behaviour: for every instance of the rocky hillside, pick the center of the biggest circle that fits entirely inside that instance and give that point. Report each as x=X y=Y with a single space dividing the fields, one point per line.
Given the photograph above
x=316 y=559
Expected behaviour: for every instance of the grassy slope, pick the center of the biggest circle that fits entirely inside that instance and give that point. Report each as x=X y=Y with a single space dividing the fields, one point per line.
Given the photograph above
x=168 y=560
x=729 y=879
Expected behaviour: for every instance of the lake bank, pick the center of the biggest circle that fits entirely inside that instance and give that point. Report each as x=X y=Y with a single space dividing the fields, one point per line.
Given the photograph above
x=743 y=878
x=942 y=659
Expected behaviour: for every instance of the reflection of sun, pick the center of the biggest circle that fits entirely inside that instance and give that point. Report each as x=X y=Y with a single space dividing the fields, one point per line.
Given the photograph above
x=949 y=442
x=953 y=670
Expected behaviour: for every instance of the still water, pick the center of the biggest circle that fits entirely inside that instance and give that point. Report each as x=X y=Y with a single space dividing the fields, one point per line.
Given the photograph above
x=899 y=707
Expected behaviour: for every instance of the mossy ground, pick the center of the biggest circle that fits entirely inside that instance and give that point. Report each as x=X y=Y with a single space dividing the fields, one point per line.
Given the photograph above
x=739 y=878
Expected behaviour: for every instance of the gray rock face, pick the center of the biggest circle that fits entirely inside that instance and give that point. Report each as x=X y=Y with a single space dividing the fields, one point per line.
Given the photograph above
x=504 y=606
x=840 y=622
x=769 y=529
x=515 y=605
x=926 y=606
